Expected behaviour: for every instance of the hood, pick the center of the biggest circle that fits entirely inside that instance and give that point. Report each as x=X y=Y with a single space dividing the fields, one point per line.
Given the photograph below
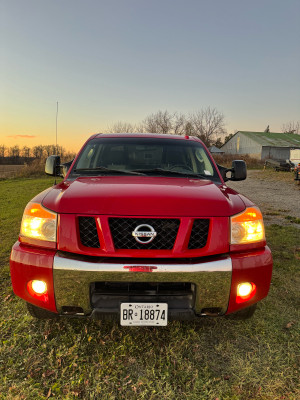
x=143 y=196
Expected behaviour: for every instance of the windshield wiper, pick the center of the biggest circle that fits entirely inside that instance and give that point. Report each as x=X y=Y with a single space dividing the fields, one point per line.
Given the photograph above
x=108 y=170
x=162 y=171
x=156 y=171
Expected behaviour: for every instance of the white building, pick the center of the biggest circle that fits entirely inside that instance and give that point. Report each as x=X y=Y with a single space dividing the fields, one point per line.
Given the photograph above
x=264 y=145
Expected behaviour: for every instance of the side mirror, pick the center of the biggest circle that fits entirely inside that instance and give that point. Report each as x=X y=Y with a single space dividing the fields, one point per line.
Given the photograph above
x=239 y=170
x=52 y=166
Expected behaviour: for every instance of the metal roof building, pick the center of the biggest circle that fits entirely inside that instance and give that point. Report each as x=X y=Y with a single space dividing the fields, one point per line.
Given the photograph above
x=215 y=150
x=264 y=145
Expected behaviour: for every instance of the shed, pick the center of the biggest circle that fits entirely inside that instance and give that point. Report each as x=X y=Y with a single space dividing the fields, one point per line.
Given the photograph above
x=264 y=145
x=215 y=150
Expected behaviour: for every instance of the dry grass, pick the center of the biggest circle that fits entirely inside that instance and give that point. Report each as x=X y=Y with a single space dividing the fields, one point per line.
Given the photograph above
x=33 y=170
x=226 y=160
x=8 y=171
x=274 y=176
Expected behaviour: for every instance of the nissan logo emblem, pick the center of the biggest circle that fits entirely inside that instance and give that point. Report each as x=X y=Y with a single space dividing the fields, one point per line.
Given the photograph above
x=144 y=233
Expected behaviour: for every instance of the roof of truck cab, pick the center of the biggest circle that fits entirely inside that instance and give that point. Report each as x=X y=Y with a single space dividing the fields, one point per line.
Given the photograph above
x=145 y=135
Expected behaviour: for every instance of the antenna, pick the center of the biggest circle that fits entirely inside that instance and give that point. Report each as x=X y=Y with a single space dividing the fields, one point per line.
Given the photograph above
x=56 y=135
x=56 y=125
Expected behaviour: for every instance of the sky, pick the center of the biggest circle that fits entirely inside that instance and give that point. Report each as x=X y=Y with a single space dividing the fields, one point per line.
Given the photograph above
x=106 y=61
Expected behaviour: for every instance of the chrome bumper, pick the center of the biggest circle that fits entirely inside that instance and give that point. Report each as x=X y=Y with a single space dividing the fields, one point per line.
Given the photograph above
x=73 y=275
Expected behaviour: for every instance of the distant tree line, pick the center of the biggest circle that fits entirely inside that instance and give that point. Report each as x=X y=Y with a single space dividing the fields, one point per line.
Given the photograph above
x=208 y=124
x=25 y=155
x=291 y=127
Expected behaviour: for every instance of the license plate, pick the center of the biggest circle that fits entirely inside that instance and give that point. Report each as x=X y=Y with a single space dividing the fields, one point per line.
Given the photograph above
x=144 y=314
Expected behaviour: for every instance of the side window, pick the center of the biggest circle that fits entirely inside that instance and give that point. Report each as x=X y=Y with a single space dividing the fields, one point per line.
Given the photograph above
x=203 y=163
x=87 y=157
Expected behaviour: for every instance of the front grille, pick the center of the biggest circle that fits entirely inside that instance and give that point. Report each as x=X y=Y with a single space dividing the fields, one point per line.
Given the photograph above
x=122 y=228
x=88 y=232
x=199 y=234
x=146 y=288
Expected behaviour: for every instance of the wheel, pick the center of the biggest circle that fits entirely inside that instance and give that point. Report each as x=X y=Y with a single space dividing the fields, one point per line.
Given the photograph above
x=243 y=314
x=40 y=313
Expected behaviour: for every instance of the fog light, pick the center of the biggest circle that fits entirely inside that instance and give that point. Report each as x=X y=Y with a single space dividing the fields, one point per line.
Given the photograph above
x=38 y=289
x=245 y=291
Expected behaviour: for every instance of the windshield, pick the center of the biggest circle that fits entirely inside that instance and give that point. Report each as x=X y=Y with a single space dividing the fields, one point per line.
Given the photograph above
x=144 y=156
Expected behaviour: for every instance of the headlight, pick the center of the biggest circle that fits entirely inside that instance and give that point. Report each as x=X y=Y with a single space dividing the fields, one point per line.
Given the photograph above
x=39 y=223
x=247 y=227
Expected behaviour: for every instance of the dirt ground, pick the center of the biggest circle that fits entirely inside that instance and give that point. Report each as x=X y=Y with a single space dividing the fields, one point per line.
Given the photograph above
x=276 y=194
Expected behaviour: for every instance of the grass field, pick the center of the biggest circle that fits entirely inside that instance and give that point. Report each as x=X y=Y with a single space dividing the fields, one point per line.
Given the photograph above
x=206 y=359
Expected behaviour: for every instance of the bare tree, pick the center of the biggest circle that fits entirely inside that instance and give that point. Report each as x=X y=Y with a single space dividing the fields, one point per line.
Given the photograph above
x=150 y=124
x=189 y=129
x=48 y=150
x=208 y=124
x=2 y=150
x=54 y=149
x=26 y=151
x=160 y=122
x=139 y=128
x=179 y=124
x=121 y=127
x=61 y=151
x=15 y=151
x=291 y=127
x=37 y=151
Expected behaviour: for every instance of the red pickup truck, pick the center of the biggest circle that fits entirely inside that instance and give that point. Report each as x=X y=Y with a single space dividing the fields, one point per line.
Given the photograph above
x=142 y=228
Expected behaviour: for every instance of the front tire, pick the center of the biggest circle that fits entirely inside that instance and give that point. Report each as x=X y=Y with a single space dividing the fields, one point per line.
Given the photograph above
x=40 y=313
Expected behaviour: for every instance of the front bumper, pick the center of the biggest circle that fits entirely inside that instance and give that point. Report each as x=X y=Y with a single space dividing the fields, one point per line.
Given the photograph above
x=70 y=278
x=73 y=277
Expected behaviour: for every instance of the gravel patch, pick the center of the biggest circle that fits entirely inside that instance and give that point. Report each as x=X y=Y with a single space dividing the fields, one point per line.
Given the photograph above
x=276 y=194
